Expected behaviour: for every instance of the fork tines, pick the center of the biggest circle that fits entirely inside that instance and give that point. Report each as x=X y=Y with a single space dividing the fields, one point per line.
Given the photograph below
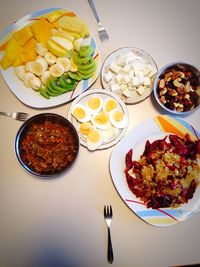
x=107 y=211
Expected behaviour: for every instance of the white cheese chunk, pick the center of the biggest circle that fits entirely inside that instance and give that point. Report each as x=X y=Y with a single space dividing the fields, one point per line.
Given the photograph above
x=135 y=81
x=152 y=73
x=140 y=76
x=115 y=88
x=141 y=90
x=126 y=93
x=107 y=77
x=118 y=78
x=115 y=68
x=147 y=81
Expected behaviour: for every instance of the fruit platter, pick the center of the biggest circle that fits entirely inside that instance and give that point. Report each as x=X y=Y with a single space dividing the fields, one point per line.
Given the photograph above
x=49 y=57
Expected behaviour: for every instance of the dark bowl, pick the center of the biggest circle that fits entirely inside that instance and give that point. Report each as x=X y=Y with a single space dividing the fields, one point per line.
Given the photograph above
x=46 y=145
x=181 y=94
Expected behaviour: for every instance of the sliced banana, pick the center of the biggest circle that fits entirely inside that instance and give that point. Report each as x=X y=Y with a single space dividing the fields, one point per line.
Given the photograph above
x=35 y=83
x=39 y=66
x=56 y=70
x=20 y=72
x=41 y=49
x=27 y=78
x=50 y=58
x=65 y=62
x=29 y=66
x=45 y=77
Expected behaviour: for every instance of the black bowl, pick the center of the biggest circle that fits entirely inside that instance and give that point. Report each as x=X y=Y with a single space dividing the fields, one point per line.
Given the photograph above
x=46 y=145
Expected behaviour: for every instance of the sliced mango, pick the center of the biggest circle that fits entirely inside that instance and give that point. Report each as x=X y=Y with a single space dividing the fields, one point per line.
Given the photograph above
x=42 y=30
x=23 y=36
x=6 y=62
x=54 y=15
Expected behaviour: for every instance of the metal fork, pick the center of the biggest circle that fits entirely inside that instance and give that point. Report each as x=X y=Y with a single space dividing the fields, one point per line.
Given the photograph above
x=103 y=35
x=108 y=217
x=20 y=116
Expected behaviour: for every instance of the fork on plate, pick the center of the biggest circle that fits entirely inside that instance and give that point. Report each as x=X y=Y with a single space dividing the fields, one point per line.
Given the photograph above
x=20 y=116
x=103 y=35
x=108 y=217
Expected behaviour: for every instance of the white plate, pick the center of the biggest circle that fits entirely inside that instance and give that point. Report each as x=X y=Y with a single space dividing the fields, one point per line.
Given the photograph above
x=82 y=99
x=135 y=97
x=135 y=139
x=29 y=96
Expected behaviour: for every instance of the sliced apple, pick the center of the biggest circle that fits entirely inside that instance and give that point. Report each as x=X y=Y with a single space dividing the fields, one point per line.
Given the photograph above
x=62 y=42
x=61 y=33
x=56 y=49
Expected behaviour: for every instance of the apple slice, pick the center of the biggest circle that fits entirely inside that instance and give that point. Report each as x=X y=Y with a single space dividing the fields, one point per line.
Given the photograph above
x=60 y=33
x=56 y=49
x=62 y=42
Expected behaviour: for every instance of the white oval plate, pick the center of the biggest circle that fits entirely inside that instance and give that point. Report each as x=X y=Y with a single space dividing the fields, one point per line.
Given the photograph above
x=29 y=96
x=135 y=97
x=135 y=139
x=82 y=99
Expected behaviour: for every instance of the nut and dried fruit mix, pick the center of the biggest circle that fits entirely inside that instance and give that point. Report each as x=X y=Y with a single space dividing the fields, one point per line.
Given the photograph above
x=167 y=173
x=178 y=88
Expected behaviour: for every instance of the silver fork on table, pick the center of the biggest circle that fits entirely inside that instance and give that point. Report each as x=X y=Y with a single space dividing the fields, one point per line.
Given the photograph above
x=103 y=35
x=20 y=116
x=108 y=217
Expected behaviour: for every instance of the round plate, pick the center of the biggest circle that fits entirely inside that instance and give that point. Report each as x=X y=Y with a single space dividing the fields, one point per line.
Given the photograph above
x=149 y=130
x=82 y=99
x=134 y=97
x=29 y=96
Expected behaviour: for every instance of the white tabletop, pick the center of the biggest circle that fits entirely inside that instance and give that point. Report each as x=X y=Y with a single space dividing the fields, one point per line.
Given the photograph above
x=60 y=222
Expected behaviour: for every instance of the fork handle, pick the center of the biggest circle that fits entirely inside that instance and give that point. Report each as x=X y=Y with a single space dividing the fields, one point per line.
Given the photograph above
x=91 y=2
x=110 y=256
x=5 y=113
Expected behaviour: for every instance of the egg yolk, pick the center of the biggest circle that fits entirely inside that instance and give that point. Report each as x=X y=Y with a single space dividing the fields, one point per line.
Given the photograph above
x=111 y=104
x=85 y=128
x=79 y=113
x=101 y=118
x=93 y=136
x=118 y=116
x=94 y=103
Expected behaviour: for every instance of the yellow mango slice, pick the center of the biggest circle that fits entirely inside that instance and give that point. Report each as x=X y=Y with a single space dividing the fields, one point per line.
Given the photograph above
x=13 y=48
x=6 y=62
x=42 y=30
x=54 y=15
x=23 y=36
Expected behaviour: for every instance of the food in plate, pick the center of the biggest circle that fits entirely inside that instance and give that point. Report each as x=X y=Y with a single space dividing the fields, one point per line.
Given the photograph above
x=99 y=119
x=47 y=144
x=178 y=87
x=51 y=49
x=129 y=73
x=167 y=173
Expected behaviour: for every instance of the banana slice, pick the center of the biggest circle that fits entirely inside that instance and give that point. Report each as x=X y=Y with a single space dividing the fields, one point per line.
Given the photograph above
x=45 y=77
x=29 y=66
x=27 y=78
x=65 y=62
x=50 y=58
x=41 y=49
x=20 y=72
x=39 y=66
x=35 y=83
x=56 y=70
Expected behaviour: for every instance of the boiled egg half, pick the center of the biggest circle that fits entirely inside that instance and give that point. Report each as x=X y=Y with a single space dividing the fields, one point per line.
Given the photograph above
x=95 y=104
x=101 y=121
x=94 y=139
x=81 y=113
x=109 y=104
x=118 y=119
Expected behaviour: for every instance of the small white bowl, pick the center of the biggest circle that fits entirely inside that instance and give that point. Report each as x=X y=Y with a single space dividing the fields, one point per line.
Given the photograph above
x=195 y=78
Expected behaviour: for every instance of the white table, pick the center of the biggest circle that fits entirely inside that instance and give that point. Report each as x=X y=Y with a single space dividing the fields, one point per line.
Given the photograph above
x=61 y=220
